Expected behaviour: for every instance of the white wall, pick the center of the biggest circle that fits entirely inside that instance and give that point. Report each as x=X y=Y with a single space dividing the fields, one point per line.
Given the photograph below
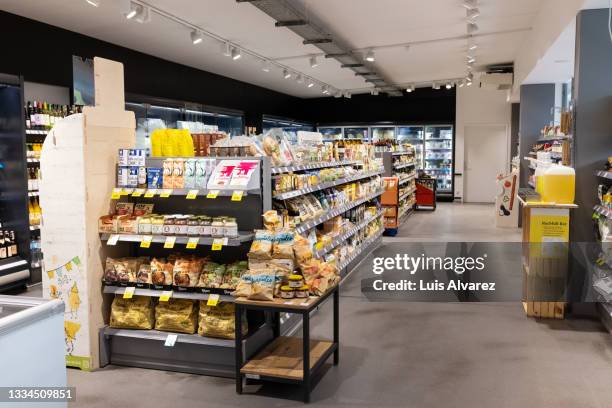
x=477 y=106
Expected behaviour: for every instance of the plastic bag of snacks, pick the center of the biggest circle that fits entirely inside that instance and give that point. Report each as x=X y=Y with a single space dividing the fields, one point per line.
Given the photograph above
x=302 y=250
x=262 y=245
x=283 y=245
x=212 y=275
x=256 y=285
x=176 y=315
x=134 y=313
x=232 y=274
x=219 y=321
x=161 y=272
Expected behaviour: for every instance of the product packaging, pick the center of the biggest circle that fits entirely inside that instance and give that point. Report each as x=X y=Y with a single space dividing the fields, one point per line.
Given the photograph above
x=176 y=315
x=134 y=313
x=219 y=321
x=190 y=173
x=168 y=174
x=154 y=178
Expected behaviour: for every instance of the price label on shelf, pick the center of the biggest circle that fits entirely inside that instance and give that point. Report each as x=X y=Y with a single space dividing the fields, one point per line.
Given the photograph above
x=192 y=243
x=112 y=240
x=171 y=340
x=116 y=194
x=218 y=243
x=169 y=244
x=237 y=195
x=192 y=194
x=213 y=299
x=150 y=193
x=146 y=241
x=212 y=194
x=138 y=192
x=165 y=296
x=126 y=191
x=129 y=292
x=165 y=193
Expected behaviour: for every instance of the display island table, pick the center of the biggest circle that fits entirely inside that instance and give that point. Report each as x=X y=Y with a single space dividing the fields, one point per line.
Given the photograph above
x=291 y=360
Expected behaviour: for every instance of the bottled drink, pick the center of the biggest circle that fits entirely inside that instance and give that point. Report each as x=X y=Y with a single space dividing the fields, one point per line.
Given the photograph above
x=3 y=253
x=13 y=247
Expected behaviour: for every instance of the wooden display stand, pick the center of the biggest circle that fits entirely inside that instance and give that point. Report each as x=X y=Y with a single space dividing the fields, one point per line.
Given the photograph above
x=545 y=258
x=78 y=167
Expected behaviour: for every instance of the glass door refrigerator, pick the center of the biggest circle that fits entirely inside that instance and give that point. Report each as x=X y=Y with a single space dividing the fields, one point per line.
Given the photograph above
x=414 y=136
x=439 y=156
x=383 y=133
x=356 y=133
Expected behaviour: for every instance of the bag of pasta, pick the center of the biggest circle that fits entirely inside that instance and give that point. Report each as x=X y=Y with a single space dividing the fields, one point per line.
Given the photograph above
x=134 y=313
x=176 y=315
x=219 y=321
x=262 y=245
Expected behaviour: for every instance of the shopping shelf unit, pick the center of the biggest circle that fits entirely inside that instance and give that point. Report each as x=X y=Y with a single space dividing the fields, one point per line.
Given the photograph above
x=602 y=266
x=399 y=197
x=190 y=353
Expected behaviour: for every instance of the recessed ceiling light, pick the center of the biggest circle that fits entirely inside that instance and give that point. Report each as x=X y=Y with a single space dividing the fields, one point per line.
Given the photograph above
x=196 y=37
x=313 y=62
x=370 y=56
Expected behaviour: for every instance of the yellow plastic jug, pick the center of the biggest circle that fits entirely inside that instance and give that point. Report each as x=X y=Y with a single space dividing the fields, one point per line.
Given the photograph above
x=559 y=185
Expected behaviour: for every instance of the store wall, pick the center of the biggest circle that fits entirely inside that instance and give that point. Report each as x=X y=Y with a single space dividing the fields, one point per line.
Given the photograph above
x=26 y=53
x=478 y=107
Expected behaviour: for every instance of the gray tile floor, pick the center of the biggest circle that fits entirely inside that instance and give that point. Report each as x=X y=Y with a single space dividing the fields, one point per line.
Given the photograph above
x=400 y=354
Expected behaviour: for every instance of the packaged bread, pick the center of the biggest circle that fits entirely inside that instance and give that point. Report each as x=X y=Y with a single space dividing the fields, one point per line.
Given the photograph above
x=283 y=245
x=176 y=315
x=134 y=313
x=219 y=321
x=262 y=245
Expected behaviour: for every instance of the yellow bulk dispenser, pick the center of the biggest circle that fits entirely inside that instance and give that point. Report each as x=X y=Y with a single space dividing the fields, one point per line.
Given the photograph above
x=559 y=185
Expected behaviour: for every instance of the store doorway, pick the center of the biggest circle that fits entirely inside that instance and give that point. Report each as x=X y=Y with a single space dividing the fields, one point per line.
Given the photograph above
x=486 y=155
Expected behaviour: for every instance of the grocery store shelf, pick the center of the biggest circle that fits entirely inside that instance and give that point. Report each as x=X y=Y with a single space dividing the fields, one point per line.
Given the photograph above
x=402 y=153
x=604 y=174
x=307 y=225
x=323 y=186
x=118 y=290
x=438 y=139
x=162 y=336
x=437 y=169
x=181 y=192
x=36 y=132
x=33 y=193
x=360 y=249
x=313 y=166
x=407 y=193
x=34 y=227
x=437 y=159
x=601 y=210
x=343 y=237
x=448 y=149
x=407 y=179
x=243 y=236
x=404 y=165
x=33 y=161
x=405 y=212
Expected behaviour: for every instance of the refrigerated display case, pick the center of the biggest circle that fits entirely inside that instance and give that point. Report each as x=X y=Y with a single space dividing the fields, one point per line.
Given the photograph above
x=439 y=153
x=414 y=136
x=380 y=133
x=289 y=126
x=356 y=133
x=331 y=133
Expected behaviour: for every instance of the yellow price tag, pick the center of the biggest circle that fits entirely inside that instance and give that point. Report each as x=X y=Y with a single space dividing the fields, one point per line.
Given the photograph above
x=218 y=243
x=169 y=244
x=212 y=300
x=116 y=194
x=125 y=191
x=146 y=241
x=165 y=193
x=150 y=193
x=192 y=243
x=138 y=192
x=165 y=296
x=237 y=195
x=192 y=194
x=212 y=194
x=129 y=292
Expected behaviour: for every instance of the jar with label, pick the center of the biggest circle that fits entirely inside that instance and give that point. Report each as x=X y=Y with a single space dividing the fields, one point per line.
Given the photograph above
x=144 y=225
x=180 y=226
x=301 y=292
x=230 y=228
x=296 y=281
x=193 y=226
x=157 y=225
x=205 y=225
x=217 y=227
x=287 y=292
x=169 y=225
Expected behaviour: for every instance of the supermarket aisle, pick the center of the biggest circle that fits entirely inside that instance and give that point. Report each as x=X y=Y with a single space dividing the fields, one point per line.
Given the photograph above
x=456 y=222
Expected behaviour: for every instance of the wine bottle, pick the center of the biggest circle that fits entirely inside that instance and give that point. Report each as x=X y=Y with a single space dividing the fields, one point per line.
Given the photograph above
x=14 y=249
x=3 y=254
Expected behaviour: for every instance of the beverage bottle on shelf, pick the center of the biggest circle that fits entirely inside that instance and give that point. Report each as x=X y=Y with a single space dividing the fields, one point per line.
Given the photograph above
x=27 y=116
x=31 y=211
x=3 y=252
x=14 y=248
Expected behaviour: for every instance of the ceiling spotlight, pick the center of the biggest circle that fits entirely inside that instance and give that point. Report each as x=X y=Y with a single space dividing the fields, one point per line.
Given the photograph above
x=461 y=83
x=226 y=48
x=469 y=83
x=94 y=3
x=132 y=10
x=470 y=76
x=313 y=62
x=370 y=56
x=470 y=4
x=435 y=85
x=472 y=46
x=471 y=14
x=410 y=88
x=347 y=95
x=265 y=66
x=471 y=59
x=196 y=37
x=449 y=85
x=338 y=94
x=310 y=84
x=374 y=92
x=236 y=53
x=325 y=89
x=286 y=74
x=472 y=28
x=144 y=16
x=299 y=79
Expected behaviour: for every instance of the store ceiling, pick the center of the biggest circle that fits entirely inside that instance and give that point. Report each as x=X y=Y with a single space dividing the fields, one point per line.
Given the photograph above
x=359 y=23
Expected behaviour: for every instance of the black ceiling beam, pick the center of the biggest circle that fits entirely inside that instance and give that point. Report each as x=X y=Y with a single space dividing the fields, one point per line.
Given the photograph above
x=365 y=73
x=290 y=23
x=351 y=65
x=374 y=80
x=317 y=41
x=339 y=54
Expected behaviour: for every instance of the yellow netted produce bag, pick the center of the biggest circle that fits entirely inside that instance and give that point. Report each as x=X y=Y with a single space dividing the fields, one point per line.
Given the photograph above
x=218 y=321
x=176 y=315
x=157 y=141
x=134 y=313
x=181 y=141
